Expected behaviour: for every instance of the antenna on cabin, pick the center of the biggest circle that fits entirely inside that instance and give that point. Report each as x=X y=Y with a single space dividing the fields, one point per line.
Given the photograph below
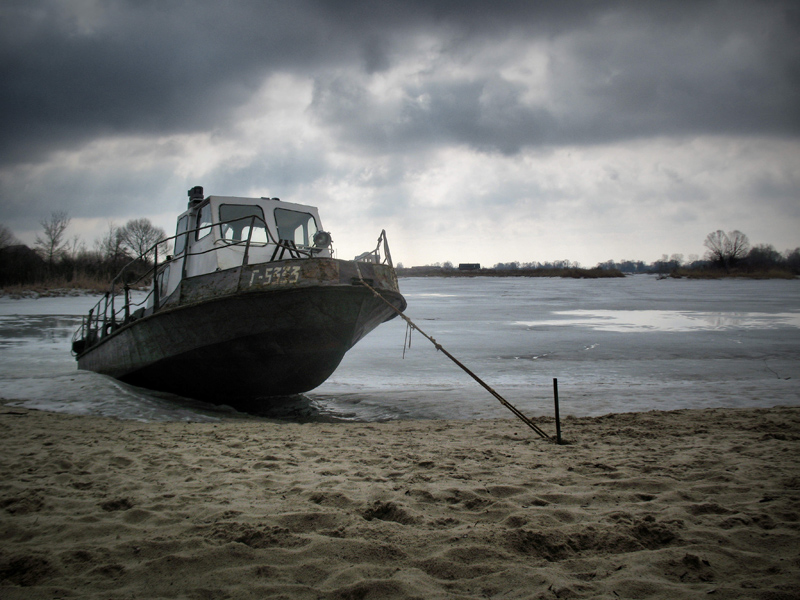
x=195 y=195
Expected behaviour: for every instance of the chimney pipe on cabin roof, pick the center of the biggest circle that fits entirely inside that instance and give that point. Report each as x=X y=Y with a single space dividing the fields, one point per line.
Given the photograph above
x=195 y=195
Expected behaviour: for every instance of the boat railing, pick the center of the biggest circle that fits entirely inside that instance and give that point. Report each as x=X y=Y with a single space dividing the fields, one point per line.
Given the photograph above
x=108 y=314
x=374 y=256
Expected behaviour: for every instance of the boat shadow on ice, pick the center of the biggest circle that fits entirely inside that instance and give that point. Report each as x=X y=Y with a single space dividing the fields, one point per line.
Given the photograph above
x=297 y=408
x=86 y=393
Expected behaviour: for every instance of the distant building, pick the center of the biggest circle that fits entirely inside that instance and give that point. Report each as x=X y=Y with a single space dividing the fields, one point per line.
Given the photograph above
x=469 y=266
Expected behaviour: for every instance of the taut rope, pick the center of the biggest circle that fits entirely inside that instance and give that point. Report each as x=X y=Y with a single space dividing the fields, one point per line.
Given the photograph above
x=439 y=347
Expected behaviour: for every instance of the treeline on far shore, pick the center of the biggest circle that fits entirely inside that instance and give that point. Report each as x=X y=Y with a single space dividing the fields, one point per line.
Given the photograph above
x=23 y=269
x=568 y=272
x=670 y=269
x=687 y=272
x=729 y=254
x=58 y=262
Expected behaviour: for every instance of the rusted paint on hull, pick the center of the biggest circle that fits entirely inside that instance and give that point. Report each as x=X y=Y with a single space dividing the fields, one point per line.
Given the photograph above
x=255 y=344
x=282 y=275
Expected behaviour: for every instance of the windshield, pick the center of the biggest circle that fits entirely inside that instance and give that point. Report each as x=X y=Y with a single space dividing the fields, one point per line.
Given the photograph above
x=298 y=227
x=240 y=218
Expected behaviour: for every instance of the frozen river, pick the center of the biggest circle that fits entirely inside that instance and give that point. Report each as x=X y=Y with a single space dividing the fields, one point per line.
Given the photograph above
x=615 y=345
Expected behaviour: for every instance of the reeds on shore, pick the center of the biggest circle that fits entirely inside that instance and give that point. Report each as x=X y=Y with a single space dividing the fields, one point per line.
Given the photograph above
x=81 y=284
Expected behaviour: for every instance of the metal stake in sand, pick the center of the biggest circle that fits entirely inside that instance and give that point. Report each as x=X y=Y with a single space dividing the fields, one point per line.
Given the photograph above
x=558 y=419
x=439 y=347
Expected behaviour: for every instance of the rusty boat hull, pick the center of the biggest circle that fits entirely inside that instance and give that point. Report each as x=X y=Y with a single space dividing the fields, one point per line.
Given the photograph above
x=250 y=333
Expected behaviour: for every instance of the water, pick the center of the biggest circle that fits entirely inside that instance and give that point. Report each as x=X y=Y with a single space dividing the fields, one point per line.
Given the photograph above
x=615 y=345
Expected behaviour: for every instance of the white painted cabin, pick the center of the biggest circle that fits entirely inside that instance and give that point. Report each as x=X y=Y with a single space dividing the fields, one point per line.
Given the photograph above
x=216 y=233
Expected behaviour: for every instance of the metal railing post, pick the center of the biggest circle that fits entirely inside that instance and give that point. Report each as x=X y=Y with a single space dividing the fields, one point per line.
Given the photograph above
x=155 y=279
x=105 y=313
x=246 y=256
x=113 y=312
x=386 y=248
x=127 y=291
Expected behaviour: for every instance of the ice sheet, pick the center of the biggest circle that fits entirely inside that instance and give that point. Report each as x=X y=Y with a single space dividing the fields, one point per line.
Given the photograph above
x=618 y=345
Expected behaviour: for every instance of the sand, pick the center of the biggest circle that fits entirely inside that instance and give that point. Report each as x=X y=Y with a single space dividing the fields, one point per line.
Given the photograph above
x=684 y=504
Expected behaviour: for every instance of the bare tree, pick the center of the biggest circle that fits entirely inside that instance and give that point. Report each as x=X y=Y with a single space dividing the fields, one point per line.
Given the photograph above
x=7 y=238
x=140 y=236
x=51 y=244
x=793 y=260
x=110 y=245
x=716 y=242
x=74 y=247
x=739 y=246
x=764 y=256
x=725 y=249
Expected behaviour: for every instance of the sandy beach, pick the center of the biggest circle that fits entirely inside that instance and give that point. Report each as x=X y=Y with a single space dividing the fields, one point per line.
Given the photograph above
x=682 y=504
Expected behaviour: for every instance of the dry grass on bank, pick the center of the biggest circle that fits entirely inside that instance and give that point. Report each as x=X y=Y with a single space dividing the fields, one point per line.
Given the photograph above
x=80 y=285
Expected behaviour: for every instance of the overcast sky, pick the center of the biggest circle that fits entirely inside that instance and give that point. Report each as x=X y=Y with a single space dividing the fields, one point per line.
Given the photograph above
x=472 y=131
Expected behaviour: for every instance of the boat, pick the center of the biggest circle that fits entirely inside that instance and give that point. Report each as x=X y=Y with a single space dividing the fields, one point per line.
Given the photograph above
x=251 y=304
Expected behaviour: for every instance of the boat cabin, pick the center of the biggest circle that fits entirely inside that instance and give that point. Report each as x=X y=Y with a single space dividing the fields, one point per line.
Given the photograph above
x=223 y=232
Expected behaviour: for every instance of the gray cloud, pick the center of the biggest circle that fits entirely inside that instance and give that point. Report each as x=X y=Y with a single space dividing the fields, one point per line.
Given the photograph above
x=72 y=72
x=699 y=68
x=138 y=67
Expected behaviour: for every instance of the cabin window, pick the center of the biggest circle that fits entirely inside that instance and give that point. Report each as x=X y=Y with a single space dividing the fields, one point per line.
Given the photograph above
x=180 y=240
x=204 y=221
x=162 y=279
x=298 y=227
x=236 y=221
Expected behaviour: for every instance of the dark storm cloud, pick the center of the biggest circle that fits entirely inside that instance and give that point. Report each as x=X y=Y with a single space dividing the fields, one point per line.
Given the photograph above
x=134 y=67
x=72 y=72
x=641 y=70
x=486 y=114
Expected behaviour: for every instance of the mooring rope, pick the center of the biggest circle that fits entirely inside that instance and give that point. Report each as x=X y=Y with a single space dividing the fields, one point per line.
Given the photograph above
x=407 y=340
x=439 y=347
